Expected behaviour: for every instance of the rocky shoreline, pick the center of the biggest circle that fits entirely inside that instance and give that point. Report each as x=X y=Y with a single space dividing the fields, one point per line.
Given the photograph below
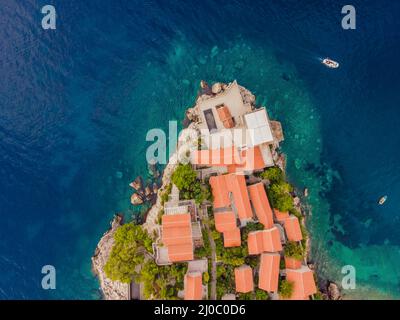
x=111 y=290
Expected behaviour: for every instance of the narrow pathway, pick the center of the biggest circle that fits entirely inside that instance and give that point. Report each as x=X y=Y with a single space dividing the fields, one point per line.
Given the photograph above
x=213 y=294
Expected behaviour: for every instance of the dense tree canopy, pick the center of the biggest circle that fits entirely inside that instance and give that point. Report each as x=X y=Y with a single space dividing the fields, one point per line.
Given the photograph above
x=130 y=242
x=279 y=194
x=274 y=174
x=185 y=179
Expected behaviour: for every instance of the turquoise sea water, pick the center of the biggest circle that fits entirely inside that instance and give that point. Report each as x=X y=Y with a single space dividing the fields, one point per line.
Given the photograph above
x=76 y=105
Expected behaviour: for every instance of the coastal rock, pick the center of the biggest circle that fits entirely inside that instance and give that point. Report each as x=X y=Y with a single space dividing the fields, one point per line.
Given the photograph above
x=296 y=201
x=192 y=115
x=204 y=85
x=136 y=199
x=137 y=183
x=216 y=88
x=155 y=188
x=152 y=168
x=333 y=291
x=147 y=191
x=248 y=97
x=112 y=290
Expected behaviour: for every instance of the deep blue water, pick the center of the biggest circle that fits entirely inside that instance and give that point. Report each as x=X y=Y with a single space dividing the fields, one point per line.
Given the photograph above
x=76 y=103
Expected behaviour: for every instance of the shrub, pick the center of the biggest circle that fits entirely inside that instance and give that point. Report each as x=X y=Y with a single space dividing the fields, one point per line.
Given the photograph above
x=261 y=295
x=166 y=193
x=294 y=250
x=285 y=289
x=279 y=196
x=274 y=174
x=185 y=179
x=206 y=277
x=130 y=241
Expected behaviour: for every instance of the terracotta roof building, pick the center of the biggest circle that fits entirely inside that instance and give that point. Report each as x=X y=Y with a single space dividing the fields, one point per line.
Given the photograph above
x=222 y=157
x=236 y=184
x=225 y=116
x=193 y=286
x=225 y=220
x=280 y=216
x=261 y=205
x=177 y=237
x=246 y=160
x=264 y=241
x=232 y=238
x=269 y=272
x=230 y=191
x=292 y=228
x=303 y=283
x=292 y=263
x=244 y=279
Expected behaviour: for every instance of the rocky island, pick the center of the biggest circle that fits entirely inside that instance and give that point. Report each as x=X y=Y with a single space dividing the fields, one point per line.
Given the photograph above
x=224 y=223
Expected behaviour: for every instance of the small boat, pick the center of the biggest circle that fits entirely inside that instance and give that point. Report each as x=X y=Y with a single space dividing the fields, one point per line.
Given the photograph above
x=382 y=200
x=330 y=63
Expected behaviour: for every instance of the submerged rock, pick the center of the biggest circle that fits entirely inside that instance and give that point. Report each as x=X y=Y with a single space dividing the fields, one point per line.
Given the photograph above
x=216 y=88
x=333 y=291
x=137 y=183
x=285 y=76
x=155 y=188
x=147 y=191
x=136 y=199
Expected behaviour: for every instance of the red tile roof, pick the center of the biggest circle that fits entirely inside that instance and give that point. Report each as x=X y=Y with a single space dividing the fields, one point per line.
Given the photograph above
x=269 y=272
x=193 y=286
x=177 y=236
x=219 y=192
x=225 y=116
x=261 y=205
x=251 y=159
x=280 y=216
x=303 y=283
x=264 y=241
x=292 y=263
x=246 y=160
x=244 y=279
x=225 y=221
x=216 y=157
x=292 y=228
x=232 y=238
x=236 y=184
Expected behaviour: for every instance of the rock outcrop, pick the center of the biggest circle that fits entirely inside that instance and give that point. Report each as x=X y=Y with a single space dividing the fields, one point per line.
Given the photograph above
x=333 y=291
x=136 y=199
x=112 y=290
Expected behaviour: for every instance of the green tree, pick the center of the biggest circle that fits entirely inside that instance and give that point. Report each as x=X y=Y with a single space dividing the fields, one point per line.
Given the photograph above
x=206 y=277
x=280 y=197
x=185 y=179
x=294 y=250
x=285 y=289
x=274 y=174
x=261 y=295
x=130 y=242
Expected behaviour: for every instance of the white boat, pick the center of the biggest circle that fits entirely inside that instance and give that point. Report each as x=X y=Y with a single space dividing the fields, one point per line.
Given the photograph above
x=382 y=200
x=330 y=63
